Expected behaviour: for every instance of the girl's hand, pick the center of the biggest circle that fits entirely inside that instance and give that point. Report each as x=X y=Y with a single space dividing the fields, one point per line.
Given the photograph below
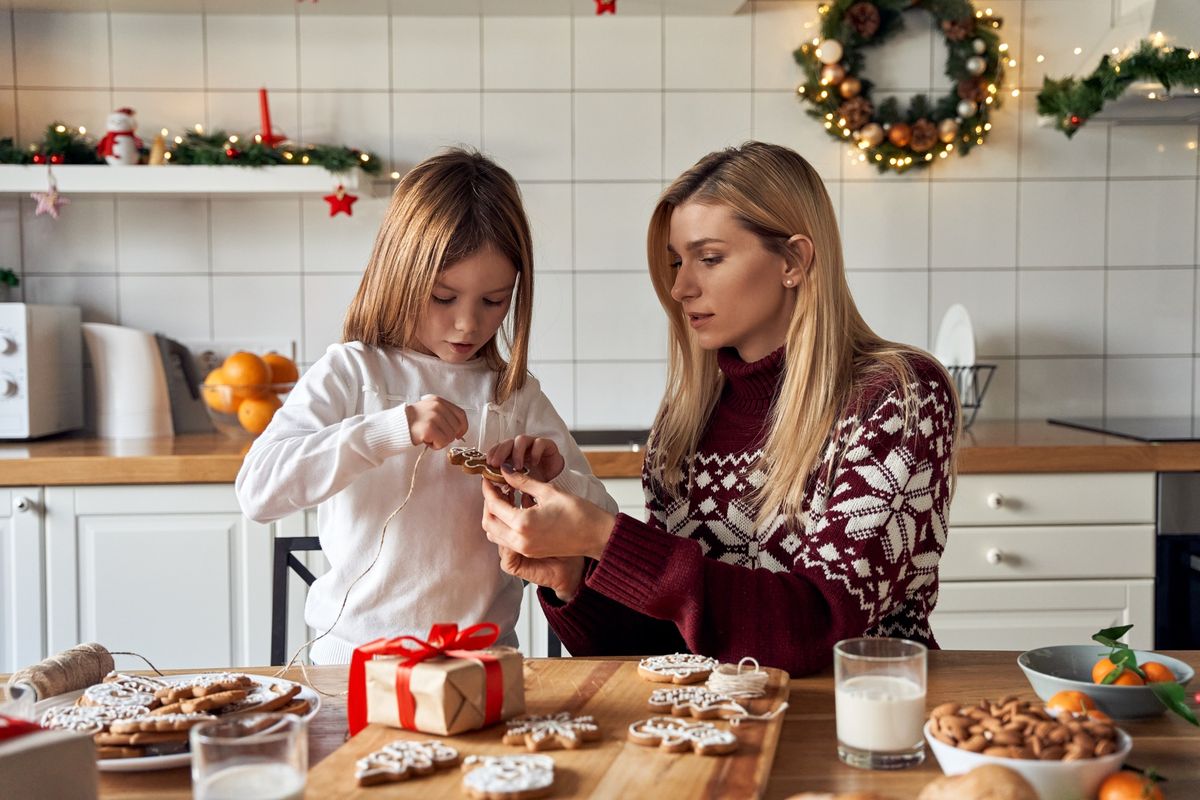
x=558 y=525
x=540 y=455
x=435 y=422
x=560 y=575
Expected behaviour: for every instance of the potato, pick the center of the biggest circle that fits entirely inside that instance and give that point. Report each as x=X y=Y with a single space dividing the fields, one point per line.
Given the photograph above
x=989 y=782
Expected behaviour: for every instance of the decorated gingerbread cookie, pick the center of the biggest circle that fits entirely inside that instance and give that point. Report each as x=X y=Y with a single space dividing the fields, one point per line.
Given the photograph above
x=116 y=694
x=677 y=668
x=678 y=735
x=695 y=701
x=402 y=760
x=551 y=731
x=474 y=462
x=89 y=719
x=523 y=777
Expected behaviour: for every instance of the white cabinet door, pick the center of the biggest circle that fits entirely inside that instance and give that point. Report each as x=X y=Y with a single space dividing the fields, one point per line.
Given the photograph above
x=175 y=573
x=22 y=610
x=628 y=494
x=1019 y=615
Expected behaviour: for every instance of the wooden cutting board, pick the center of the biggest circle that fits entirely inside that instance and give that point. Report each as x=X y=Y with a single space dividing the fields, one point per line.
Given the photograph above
x=610 y=691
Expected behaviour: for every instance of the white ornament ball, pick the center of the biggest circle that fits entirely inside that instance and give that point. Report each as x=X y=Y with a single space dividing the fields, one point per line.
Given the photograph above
x=976 y=65
x=979 y=46
x=967 y=108
x=872 y=134
x=829 y=51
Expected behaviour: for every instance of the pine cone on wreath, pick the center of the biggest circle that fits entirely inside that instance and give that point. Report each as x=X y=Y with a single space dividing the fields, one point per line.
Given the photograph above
x=864 y=18
x=972 y=89
x=857 y=112
x=924 y=135
x=957 y=30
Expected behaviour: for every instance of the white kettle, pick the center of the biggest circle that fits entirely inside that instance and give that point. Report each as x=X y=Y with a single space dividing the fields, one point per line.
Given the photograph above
x=131 y=399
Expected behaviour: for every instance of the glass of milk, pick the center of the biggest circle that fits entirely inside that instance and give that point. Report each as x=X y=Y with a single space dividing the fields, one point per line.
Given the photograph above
x=879 y=696
x=252 y=757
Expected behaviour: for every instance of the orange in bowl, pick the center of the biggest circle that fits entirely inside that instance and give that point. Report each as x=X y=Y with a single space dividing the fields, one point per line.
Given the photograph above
x=247 y=372
x=1127 y=677
x=254 y=414
x=283 y=371
x=217 y=393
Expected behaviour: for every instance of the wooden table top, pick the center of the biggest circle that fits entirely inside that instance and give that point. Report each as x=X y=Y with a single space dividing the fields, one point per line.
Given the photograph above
x=989 y=447
x=806 y=759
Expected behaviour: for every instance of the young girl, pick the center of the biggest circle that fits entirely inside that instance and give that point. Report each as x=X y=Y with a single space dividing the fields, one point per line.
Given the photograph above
x=419 y=368
x=800 y=467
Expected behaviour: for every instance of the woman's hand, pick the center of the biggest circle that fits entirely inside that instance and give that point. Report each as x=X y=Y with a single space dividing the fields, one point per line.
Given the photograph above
x=560 y=575
x=539 y=455
x=435 y=421
x=557 y=525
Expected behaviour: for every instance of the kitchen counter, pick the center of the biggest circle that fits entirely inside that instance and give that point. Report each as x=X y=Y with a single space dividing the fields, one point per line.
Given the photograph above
x=989 y=447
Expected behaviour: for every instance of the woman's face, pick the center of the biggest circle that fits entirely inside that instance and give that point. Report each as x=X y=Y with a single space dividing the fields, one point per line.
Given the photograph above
x=468 y=306
x=733 y=290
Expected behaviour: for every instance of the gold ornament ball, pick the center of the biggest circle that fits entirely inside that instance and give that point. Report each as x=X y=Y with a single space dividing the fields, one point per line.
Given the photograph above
x=979 y=46
x=976 y=65
x=872 y=134
x=829 y=51
x=832 y=74
x=900 y=134
x=948 y=130
x=967 y=108
x=850 y=87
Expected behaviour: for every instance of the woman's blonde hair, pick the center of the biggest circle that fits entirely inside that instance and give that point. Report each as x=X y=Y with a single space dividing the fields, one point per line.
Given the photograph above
x=446 y=209
x=829 y=352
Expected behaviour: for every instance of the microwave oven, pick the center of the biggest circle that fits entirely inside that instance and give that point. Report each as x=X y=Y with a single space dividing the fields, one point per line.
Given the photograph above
x=41 y=370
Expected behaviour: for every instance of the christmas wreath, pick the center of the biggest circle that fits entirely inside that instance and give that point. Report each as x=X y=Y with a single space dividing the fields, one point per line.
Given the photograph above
x=893 y=138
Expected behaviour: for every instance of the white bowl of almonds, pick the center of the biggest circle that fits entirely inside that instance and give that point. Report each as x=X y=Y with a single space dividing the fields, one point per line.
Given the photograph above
x=1063 y=758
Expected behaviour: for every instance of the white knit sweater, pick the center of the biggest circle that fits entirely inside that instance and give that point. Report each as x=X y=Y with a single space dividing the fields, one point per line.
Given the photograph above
x=341 y=442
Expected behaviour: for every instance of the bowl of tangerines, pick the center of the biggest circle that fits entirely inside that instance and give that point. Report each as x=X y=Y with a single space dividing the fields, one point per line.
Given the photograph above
x=243 y=394
x=1109 y=678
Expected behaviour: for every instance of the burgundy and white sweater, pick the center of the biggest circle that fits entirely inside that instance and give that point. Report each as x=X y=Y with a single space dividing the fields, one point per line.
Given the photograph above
x=862 y=559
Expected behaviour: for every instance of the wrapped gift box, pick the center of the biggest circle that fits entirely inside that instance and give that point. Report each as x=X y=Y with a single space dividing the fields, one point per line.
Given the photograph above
x=445 y=685
x=43 y=763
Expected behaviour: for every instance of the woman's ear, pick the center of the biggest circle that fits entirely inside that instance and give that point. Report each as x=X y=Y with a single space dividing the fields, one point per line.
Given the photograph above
x=796 y=268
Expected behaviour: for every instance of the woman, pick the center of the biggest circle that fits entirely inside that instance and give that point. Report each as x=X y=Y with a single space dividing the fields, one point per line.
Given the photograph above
x=800 y=467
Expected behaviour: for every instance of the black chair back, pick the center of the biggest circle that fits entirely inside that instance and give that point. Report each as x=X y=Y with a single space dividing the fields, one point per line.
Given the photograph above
x=286 y=548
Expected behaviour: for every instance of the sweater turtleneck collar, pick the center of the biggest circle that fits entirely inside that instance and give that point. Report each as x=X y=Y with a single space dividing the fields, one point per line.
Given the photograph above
x=750 y=386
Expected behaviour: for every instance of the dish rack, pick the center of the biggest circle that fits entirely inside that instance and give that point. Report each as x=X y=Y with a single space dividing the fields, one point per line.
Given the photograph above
x=971 y=383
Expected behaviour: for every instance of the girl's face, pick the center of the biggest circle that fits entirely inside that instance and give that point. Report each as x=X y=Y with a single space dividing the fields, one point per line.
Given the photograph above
x=469 y=301
x=733 y=290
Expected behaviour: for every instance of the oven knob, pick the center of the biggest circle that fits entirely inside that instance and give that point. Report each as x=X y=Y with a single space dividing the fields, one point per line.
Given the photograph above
x=8 y=386
x=8 y=345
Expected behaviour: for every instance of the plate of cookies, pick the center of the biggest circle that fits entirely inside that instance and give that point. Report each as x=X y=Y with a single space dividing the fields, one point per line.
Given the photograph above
x=141 y=723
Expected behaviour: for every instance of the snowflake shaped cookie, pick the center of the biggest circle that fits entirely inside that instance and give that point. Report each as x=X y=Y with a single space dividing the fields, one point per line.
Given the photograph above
x=89 y=719
x=551 y=731
x=677 y=668
x=508 y=777
x=697 y=701
x=678 y=735
x=402 y=760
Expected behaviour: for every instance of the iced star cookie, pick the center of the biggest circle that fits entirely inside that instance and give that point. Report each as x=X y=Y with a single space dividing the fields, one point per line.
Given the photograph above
x=402 y=760
x=677 y=668
x=695 y=701
x=522 y=777
x=551 y=731
x=678 y=735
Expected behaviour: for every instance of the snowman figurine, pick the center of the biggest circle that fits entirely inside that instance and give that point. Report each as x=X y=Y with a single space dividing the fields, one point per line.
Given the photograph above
x=120 y=146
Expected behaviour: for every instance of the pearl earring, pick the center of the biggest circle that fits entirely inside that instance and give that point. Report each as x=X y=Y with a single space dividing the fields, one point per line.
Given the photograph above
x=788 y=282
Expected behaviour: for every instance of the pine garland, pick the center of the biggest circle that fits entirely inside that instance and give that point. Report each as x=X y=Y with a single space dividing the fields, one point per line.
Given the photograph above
x=60 y=144
x=1073 y=101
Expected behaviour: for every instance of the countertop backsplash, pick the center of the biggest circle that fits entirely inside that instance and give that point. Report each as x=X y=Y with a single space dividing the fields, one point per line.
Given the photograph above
x=1076 y=259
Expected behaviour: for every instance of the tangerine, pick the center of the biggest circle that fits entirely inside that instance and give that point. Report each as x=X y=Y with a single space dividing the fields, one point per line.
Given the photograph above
x=1158 y=673
x=218 y=395
x=1071 y=702
x=1126 y=785
x=1127 y=677
x=246 y=371
x=255 y=412
x=282 y=369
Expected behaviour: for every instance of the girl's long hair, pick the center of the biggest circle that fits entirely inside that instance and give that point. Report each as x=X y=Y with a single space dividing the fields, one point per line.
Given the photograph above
x=830 y=351
x=445 y=209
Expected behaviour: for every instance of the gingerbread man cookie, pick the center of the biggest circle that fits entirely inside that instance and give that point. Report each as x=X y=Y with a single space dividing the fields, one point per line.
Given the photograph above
x=697 y=701
x=402 y=760
x=551 y=731
x=678 y=735
x=676 y=668
x=474 y=462
x=522 y=777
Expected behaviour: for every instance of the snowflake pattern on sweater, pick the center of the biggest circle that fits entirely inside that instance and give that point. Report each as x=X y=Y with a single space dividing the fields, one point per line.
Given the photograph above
x=874 y=532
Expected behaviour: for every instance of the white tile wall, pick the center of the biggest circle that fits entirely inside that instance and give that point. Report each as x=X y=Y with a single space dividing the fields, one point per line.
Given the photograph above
x=1076 y=258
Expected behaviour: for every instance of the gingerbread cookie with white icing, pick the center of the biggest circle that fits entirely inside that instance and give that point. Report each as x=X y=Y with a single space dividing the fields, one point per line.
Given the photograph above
x=551 y=731
x=677 y=668
x=402 y=760
x=474 y=462
x=695 y=701
x=679 y=735
x=523 y=777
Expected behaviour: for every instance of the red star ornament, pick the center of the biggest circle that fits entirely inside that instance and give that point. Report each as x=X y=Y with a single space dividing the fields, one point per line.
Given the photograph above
x=340 y=202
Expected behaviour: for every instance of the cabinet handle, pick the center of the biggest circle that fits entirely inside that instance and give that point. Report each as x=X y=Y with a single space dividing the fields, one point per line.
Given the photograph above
x=994 y=555
x=995 y=500
x=22 y=503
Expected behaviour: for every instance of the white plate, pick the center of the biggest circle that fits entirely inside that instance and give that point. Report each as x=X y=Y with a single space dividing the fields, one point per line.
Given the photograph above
x=149 y=763
x=955 y=343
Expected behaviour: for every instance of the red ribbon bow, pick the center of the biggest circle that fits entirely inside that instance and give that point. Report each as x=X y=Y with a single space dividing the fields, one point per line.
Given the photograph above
x=444 y=640
x=12 y=727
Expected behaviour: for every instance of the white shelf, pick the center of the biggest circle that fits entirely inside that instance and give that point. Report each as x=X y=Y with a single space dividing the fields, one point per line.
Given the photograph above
x=182 y=180
x=517 y=8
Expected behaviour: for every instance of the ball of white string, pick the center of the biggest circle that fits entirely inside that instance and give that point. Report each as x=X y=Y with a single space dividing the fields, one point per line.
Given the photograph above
x=737 y=681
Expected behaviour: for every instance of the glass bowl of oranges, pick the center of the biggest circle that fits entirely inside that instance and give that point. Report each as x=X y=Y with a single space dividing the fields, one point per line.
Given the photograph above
x=243 y=394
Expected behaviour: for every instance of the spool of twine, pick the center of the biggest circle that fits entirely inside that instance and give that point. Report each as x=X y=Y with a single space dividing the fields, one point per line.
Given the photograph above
x=76 y=668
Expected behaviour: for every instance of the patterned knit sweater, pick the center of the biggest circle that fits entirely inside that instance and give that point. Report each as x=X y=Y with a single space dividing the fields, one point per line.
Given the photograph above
x=862 y=559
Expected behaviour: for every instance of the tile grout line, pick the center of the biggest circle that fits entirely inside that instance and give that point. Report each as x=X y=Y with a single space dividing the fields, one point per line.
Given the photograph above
x=574 y=243
x=1017 y=238
x=302 y=334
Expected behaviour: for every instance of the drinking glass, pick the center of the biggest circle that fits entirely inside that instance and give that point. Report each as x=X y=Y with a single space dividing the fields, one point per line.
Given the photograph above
x=253 y=757
x=879 y=697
